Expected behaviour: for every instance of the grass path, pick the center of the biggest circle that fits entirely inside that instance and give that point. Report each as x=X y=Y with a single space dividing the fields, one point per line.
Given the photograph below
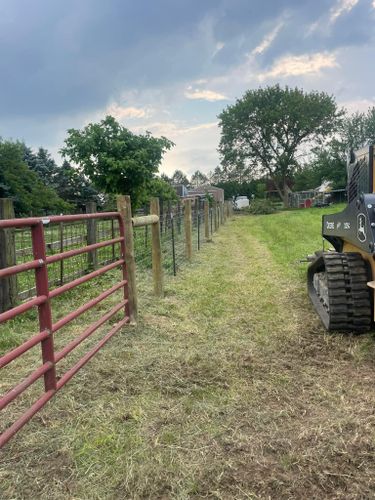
x=228 y=388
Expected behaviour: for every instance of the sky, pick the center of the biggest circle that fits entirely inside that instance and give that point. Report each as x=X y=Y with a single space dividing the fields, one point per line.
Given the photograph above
x=171 y=66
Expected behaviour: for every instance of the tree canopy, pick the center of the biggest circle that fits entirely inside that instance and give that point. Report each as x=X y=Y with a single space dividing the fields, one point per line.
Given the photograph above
x=264 y=130
x=17 y=181
x=329 y=161
x=114 y=159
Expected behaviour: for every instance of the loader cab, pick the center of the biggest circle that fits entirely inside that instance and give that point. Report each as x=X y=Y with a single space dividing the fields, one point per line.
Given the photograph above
x=361 y=178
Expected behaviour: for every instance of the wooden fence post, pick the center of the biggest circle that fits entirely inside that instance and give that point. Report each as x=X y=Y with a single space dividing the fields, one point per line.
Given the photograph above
x=157 y=265
x=214 y=210
x=91 y=235
x=8 y=286
x=224 y=211
x=188 y=230
x=125 y=209
x=207 y=220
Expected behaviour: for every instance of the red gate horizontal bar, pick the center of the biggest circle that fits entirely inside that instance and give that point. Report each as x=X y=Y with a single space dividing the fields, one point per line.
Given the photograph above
x=16 y=311
x=91 y=329
x=15 y=353
x=19 y=268
x=78 y=251
x=33 y=221
x=73 y=315
x=83 y=279
x=18 y=389
x=18 y=424
x=69 y=374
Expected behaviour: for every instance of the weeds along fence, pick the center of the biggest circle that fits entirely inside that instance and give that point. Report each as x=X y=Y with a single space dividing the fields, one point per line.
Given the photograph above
x=42 y=262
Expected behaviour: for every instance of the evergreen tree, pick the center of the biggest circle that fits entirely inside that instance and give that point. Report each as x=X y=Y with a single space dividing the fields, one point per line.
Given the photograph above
x=17 y=181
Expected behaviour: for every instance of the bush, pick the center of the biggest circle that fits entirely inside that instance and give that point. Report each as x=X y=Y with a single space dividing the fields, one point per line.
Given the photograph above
x=259 y=207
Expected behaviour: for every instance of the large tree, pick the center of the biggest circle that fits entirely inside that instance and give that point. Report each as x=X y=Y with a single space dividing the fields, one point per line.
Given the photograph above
x=114 y=159
x=264 y=130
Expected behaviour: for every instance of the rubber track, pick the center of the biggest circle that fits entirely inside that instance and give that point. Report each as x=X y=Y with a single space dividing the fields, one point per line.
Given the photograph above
x=349 y=296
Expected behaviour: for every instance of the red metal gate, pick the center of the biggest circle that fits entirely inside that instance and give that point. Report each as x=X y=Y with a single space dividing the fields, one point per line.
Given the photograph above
x=42 y=300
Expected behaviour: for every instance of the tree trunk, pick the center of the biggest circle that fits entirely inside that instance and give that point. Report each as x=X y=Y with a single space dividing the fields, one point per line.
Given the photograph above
x=286 y=190
x=283 y=191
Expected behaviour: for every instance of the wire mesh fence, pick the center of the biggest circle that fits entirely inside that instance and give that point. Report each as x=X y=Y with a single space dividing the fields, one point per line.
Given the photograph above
x=173 y=237
x=64 y=236
x=61 y=237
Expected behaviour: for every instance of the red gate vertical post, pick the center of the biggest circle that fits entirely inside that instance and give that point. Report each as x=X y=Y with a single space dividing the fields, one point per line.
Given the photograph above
x=44 y=309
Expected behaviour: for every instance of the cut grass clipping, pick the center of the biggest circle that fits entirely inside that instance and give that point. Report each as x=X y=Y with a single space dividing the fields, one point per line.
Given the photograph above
x=227 y=388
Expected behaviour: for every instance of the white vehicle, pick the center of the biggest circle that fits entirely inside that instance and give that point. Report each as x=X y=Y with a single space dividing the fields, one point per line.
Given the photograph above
x=241 y=202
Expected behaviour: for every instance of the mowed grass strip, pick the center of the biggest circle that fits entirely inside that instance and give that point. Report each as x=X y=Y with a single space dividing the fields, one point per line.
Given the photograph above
x=227 y=388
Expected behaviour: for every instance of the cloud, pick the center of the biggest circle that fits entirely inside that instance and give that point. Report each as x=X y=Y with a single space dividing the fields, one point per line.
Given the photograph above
x=358 y=105
x=174 y=129
x=57 y=73
x=267 y=40
x=121 y=112
x=196 y=149
x=218 y=47
x=300 y=65
x=342 y=7
x=205 y=95
x=195 y=145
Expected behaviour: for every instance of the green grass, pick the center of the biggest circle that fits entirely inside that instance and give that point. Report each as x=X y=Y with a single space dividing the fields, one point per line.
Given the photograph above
x=227 y=388
x=292 y=235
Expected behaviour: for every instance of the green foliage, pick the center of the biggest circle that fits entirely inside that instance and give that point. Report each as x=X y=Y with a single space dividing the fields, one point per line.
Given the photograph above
x=43 y=164
x=74 y=187
x=259 y=207
x=233 y=188
x=160 y=189
x=30 y=194
x=115 y=159
x=329 y=162
x=209 y=198
x=262 y=131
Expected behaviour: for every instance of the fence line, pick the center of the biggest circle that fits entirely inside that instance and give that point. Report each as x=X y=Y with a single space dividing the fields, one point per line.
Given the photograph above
x=64 y=236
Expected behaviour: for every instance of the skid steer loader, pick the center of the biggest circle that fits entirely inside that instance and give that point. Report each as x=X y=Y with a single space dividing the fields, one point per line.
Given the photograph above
x=341 y=283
